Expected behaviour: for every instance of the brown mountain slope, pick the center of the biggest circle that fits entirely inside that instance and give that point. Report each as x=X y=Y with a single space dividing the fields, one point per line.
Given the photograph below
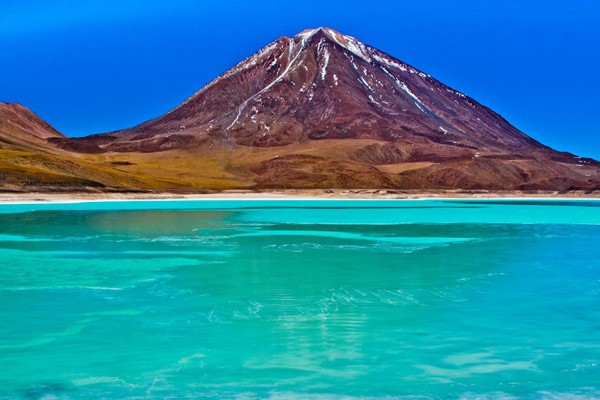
x=21 y=129
x=29 y=160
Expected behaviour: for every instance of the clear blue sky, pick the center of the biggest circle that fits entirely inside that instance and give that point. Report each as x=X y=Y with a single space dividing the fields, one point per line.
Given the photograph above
x=99 y=65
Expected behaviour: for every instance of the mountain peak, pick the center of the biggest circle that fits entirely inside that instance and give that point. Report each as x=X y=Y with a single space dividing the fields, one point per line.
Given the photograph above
x=321 y=29
x=12 y=105
x=312 y=31
x=347 y=42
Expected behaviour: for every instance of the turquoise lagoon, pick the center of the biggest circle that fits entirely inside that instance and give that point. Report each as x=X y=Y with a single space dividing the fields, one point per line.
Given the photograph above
x=300 y=299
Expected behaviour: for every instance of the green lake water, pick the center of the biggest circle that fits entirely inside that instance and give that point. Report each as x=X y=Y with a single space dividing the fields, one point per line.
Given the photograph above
x=300 y=299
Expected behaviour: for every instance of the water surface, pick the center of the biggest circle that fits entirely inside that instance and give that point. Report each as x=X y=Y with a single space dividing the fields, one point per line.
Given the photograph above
x=300 y=299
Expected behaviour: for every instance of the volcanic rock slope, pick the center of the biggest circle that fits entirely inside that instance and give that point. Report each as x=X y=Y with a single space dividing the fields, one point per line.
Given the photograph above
x=21 y=129
x=322 y=109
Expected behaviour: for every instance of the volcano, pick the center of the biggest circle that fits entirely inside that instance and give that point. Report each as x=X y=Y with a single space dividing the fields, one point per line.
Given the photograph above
x=322 y=109
x=322 y=84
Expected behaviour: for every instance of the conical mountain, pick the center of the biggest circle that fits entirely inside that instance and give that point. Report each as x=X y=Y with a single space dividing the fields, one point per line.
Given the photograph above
x=323 y=84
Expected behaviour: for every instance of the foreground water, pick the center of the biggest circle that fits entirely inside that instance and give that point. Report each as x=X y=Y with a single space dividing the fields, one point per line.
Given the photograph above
x=300 y=299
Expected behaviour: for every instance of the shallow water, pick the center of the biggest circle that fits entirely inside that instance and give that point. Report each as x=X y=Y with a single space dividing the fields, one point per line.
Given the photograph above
x=300 y=299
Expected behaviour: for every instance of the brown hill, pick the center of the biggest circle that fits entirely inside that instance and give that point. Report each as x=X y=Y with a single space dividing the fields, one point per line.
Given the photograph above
x=30 y=161
x=21 y=129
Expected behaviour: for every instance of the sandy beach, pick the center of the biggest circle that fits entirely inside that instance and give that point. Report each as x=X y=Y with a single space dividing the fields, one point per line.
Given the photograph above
x=292 y=194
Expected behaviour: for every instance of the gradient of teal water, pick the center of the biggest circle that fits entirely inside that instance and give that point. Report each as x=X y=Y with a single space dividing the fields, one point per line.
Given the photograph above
x=300 y=299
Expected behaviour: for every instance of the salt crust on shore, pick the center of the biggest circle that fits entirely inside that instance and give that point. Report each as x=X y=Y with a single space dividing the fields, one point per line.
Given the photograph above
x=355 y=194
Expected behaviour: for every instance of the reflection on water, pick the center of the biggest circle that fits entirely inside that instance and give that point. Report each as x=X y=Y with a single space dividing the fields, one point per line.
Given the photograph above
x=280 y=302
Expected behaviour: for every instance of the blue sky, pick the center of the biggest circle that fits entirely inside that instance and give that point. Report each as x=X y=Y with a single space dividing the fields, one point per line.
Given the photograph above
x=101 y=65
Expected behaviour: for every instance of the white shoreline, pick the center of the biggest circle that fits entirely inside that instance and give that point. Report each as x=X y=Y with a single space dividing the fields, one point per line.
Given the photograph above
x=86 y=198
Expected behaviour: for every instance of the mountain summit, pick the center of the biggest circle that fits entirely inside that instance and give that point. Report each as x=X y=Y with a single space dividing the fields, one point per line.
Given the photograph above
x=321 y=110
